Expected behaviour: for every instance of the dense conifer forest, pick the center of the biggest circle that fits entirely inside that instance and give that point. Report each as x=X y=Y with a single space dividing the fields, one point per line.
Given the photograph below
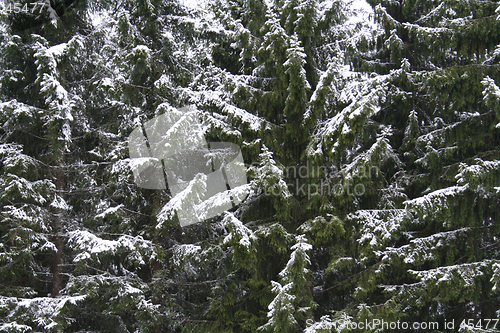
x=370 y=137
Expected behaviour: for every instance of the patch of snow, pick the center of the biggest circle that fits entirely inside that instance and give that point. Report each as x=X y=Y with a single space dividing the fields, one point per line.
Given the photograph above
x=59 y=203
x=109 y=211
x=363 y=13
x=57 y=50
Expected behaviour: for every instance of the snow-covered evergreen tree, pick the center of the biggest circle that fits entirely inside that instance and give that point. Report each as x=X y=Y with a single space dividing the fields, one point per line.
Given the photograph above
x=293 y=303
x=423 y=228
x=392 y=110
x=295 y=104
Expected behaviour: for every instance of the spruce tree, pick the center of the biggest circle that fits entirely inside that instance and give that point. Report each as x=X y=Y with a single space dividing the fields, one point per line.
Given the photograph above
x=423 y=231
x=295 y=104
x=393 y=113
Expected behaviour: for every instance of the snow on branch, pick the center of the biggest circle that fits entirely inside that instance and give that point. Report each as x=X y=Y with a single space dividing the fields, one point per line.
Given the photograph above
x=40 y=313
x=439 y=202
x=345 y=125
x=480 y=175
x=122 y=291
x=238 y=232
x=379 y=151
x=183 y=252
x=12 y=158
x=447 y=284
x=298 y=259
x=30 y=216
x=456 y=275
x=36 y=191
x=281 y=309
x=491 y=95
x=87 y=246
x=377 y=227
x=422 y=249
x=385 y=18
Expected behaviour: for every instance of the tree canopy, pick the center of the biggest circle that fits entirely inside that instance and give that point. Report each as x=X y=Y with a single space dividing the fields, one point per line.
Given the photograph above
x=370 y=137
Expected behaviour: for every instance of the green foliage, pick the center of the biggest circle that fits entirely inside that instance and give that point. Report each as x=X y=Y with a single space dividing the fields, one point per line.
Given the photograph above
x=395 y=121
x=324 y=231
x=293 y=303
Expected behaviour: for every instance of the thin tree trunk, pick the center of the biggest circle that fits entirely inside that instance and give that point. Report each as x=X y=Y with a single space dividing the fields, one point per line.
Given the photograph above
x=57 y=282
